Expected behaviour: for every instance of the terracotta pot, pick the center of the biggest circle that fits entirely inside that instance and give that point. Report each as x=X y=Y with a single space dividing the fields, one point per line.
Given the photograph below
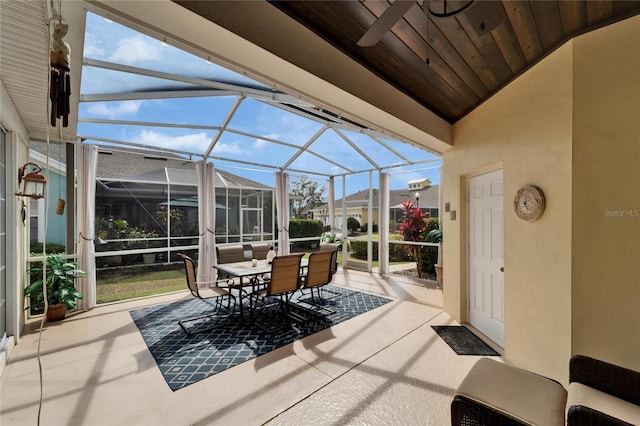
x=56 y=312
x=439 y=273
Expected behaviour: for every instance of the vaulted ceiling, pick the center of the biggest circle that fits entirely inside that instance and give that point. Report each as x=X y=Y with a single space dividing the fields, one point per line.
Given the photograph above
x=471 y=55
x=386 y=86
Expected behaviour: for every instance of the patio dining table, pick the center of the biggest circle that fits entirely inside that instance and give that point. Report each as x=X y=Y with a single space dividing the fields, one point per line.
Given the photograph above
x=247 y=273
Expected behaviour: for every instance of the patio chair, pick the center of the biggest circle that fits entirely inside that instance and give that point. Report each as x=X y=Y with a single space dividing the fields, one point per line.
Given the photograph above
x=229 y=254
x=599 y=393
x=332 y=247
x=283 y=282
x=260 y=250
x=204 y=290
x=319 y=274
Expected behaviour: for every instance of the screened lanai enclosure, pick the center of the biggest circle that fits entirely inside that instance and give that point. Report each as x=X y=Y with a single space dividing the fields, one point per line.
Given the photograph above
x=153 y=215
x=186 y=154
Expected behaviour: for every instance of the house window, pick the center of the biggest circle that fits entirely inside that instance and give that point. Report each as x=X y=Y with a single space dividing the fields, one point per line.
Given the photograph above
x=34 y=223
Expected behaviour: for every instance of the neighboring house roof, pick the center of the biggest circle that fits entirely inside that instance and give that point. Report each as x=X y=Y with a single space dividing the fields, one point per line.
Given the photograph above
x=152 y=167
x=428 y=198
x=140 y=165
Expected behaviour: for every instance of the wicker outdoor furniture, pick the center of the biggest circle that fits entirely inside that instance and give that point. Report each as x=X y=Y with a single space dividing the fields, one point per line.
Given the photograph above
x=599 y=393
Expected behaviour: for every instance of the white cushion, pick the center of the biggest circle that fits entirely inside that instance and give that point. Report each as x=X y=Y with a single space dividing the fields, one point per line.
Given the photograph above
x=586 y=396
x=520 y=394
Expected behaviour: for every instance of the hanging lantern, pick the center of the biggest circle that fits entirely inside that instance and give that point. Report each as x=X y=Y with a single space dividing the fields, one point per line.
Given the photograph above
x=33 y=183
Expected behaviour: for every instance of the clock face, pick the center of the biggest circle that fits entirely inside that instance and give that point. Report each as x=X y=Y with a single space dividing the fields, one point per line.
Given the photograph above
x=529 y=203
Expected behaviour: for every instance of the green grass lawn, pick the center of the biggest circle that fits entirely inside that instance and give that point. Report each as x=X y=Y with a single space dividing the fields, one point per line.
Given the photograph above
x=114 y=289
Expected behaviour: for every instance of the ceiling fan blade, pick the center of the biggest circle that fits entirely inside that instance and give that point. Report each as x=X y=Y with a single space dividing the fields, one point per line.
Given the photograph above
x=485 y=15
x=388 y=19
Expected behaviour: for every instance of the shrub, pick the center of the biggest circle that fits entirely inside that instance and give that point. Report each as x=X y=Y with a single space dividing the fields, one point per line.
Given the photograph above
x=433 y=232
x=397 y=252
x=432 y=223
x=36 y=248
x=428 y=258
x=359 y=250
x=365 y=227
x=301 y=228
x=352 y=224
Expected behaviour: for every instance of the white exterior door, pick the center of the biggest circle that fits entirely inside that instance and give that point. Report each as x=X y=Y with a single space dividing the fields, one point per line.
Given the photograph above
x=486 y=255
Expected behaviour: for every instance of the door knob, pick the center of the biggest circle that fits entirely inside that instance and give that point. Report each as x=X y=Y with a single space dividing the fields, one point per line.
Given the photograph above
x=502 y=269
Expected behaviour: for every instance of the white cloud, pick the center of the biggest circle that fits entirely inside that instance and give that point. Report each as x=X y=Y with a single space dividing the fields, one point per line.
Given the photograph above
x=92 y=51
x=135 y=49
x=259 y=144
x=194 y=142
x=92 y=46
x=229 y=148
x=120 y=110
x=190 y=142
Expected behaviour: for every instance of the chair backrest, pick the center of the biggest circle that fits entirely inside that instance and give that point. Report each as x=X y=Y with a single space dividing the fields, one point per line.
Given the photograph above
x=334 y=263
x=285 y=274
x=229 y=254
x=260 y=250
x=319 y=269
x=190 y=271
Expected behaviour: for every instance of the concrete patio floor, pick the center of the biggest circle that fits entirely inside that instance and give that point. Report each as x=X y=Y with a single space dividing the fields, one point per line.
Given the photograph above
x=384 y=367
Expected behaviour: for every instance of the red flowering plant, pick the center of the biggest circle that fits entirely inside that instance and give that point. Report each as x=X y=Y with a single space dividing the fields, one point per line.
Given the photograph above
x=414 y=228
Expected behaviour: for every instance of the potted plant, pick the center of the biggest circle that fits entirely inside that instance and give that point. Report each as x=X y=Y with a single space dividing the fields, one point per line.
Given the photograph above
x=331 y=242
x=61 y=291
x=435 y=236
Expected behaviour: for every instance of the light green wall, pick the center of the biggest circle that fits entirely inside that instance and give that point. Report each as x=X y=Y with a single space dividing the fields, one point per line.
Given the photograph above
x=606 y=194
x=570 y=125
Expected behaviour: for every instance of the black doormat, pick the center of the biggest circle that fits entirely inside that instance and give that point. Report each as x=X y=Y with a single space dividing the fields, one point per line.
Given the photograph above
x=184 y=359
x=463 y=341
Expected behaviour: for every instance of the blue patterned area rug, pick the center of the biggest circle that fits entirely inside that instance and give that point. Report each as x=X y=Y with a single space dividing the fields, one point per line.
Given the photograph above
x=185 y=359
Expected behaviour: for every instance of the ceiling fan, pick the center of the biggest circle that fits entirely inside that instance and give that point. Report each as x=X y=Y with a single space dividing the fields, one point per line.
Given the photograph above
x=438 y=9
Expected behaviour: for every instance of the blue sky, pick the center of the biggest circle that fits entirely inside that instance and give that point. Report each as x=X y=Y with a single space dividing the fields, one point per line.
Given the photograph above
x=108 y=41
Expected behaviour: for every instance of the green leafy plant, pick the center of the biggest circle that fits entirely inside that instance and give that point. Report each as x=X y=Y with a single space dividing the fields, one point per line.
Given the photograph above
x=330 y=238
x=434 y=236
x=119 y=229
x=174 y=216
x=433 y=258
x=434 y=231
x=61 y=278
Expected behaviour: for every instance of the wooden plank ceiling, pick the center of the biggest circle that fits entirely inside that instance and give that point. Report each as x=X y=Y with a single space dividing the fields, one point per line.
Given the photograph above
x=466 y=65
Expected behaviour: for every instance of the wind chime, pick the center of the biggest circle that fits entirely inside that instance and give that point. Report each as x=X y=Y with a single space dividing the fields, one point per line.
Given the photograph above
x=60 y=85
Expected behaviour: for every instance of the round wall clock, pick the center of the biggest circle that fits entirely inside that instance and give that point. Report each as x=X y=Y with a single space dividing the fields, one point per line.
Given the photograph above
x=529 y=203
